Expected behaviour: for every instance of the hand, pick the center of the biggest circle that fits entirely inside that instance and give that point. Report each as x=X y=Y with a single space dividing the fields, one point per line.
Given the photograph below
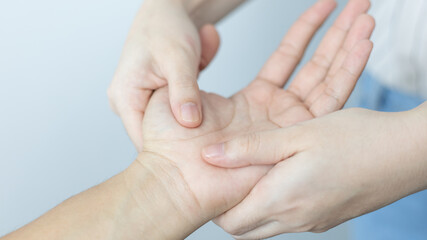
x=327 y=171
x=163 y=48
x=263 y=105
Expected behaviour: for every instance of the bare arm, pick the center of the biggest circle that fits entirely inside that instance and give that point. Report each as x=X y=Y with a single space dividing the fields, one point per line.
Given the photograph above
x=142 y=202
x=209 y=11
x=342 y=165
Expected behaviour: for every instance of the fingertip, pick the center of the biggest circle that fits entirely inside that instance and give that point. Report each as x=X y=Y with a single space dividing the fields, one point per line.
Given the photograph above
x=331 y=3
x=209 y=32
x=320 y=10
x=362 y=29
x=363 y=48
x=363 y=5
x=367 y=22
x=210 y=29
x=214 y=154
x=368 y=4
x=185 y=103
x=218 y=156
x=327 y=5
x=189 y=114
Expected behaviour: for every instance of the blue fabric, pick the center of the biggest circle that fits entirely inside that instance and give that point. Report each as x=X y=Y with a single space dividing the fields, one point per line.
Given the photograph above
x=406 y=218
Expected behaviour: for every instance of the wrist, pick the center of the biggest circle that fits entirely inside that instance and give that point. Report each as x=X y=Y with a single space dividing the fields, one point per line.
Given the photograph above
x=162 y=197
x=200 y=12
x=183 y=8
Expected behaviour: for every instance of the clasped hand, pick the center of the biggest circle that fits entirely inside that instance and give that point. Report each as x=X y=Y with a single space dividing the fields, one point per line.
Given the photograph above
x=245 y=192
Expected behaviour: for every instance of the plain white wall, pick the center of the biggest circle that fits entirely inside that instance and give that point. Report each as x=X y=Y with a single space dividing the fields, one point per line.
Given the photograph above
x=58 y=136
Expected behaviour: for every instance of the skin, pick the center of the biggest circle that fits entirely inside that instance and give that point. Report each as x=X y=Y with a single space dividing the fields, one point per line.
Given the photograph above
x=327 y=170
x=169 y=191
x=169 y=42
x=263 y=105
x=120 y=208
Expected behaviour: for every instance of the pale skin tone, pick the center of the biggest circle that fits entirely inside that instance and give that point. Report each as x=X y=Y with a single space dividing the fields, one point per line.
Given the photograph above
x=168 y=44
x=326 y=170
x=169 y=191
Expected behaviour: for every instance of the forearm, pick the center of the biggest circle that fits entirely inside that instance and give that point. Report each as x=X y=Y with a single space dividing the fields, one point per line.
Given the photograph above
x=417 y=128
x=209 y=11
x=199 y=11
x=400 y=149
x=131 y=205
x=98 y=213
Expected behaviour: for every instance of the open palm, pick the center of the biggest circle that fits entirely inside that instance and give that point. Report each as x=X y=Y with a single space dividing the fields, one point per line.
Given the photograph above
x=322 y=86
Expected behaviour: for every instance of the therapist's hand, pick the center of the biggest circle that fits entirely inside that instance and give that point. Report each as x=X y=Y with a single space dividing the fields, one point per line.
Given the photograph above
x=163 y=48
x=327 y=170
x=263 y=105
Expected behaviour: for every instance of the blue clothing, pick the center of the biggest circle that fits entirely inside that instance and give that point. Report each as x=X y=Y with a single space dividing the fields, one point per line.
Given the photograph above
x=406 y=218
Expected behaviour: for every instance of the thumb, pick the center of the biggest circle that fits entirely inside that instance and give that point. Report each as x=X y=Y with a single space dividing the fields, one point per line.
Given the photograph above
x=182 y=68
x=257 y=148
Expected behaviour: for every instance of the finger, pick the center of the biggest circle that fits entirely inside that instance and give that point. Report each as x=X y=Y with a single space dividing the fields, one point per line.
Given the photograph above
x=245 y=179
x=284 y=60
x=269 y=229
x=132 y=120
x=242 y=218
x=317 y=68
x=362 y=29
x=180 y=68
x=339 y=88
x=210 y=41
x=257 y=148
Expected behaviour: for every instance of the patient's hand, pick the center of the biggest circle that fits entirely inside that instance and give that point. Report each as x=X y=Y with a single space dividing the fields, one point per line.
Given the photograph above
x=317 y=89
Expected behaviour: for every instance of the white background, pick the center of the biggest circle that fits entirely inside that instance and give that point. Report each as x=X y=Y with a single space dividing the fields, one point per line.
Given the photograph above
x=58 y=136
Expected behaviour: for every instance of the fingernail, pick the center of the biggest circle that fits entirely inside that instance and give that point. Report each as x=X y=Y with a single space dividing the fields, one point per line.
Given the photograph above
x=214 y=151
x=189 y=112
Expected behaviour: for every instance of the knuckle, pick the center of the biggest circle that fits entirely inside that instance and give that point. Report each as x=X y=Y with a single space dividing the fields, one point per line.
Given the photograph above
x=179 y=50
x=329 y=76
x=333 y=94
x=321 y=61
x=185 y=83
x=350 y=74
x=307 y=22
x=289 y=50
x=251 y=143
x=232 y=230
